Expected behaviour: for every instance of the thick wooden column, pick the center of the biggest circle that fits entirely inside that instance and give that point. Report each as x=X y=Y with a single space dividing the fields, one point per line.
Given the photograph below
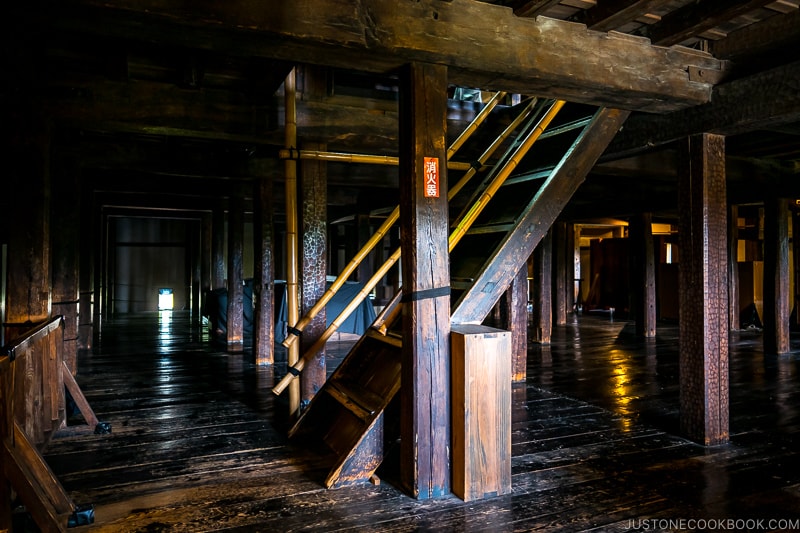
x=218 y=247
x=193 y=243
x=87 y=270
x=313 y=250
x=776 y=275
x=28 y=175
x=542 y=289
x=425 y=393
x=733 y=268
x=796 y=252
x=263 y=272
x=235 y=329
x=514 y=313
x=65 y=251
x=643 y=270
x=205 y=257
x=703 y=289
x=560 y=273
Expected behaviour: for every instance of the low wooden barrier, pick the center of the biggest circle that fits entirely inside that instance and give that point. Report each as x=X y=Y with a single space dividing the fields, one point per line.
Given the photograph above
x=33 y=378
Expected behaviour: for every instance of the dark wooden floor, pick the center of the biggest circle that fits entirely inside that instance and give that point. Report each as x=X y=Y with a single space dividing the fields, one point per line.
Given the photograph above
x=198 y=442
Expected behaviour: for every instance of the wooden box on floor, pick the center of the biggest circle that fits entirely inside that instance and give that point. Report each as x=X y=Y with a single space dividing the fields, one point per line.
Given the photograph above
x=481 y=381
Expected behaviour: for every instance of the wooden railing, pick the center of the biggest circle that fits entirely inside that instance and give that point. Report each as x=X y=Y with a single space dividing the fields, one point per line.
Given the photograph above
x=33 y=378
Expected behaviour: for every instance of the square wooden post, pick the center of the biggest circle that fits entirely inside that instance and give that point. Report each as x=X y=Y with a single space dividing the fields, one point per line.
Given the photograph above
x=514 y=314
x=733 y=268
x=264 y=268
x=643 y=270
x=776 y=275
x=425 y=391
x=481 y=411
x=543 y=289
x=235 y=319
x=703 y=289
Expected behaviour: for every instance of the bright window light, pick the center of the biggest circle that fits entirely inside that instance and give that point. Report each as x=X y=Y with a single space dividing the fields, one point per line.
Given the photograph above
x=164 y=299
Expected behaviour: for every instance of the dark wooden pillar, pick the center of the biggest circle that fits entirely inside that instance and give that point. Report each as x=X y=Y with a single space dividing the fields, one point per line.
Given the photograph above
x=796 y=252
x=643 y=278
x=218 y=247
x=28 y=282
x=87 y=270
x=542 y=289
x=235 y=329
x=65 y=251
x=776 y=275
x=570 y=262
x=703 y=289
x=425 y=468
x=263 y=272
x=205 y=258
x=560 y=273
x=193 y=234
x=733 y=268
x=313 y=237
x=514 y=311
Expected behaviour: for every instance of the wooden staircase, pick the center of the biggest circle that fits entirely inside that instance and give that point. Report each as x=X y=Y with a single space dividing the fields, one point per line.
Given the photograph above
x=347 y=417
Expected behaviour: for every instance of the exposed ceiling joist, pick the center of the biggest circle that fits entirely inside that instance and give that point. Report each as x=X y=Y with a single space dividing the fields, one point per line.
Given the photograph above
x=697 y=17
x=612 y=14
x=762 y=101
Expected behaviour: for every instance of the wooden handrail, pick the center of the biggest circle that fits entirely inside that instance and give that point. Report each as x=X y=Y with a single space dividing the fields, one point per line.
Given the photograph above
x=32 y=408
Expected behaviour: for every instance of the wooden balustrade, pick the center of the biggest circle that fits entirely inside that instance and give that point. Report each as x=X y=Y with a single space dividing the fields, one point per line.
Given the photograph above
x=33 y=378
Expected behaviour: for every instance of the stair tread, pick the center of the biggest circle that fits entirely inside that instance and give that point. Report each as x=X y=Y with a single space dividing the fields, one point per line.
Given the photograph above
x=360 y=401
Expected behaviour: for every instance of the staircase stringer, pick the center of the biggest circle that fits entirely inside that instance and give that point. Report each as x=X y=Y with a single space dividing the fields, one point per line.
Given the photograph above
x=513 y=251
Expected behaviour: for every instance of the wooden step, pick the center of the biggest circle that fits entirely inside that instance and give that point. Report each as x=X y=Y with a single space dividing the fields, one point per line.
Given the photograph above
x=358 y=400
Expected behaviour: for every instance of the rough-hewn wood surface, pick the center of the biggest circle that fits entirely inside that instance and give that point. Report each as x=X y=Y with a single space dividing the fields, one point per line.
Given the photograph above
x=198 y=441
x=425 y=396
x=553 y=57
x=703 y=288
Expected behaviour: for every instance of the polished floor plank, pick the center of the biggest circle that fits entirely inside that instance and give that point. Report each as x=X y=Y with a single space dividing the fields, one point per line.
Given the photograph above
x=198 y=441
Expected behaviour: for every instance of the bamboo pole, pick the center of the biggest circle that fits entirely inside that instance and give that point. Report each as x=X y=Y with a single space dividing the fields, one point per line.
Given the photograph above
x=343 y=157
x=320 y=343
x=476 y=209
x=290 y=166
x=294 y=331
x=392 y=310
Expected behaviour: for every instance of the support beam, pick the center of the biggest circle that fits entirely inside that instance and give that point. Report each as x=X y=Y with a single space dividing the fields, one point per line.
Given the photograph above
x=65 y=251
x=611 y=14
x=313 y=250
x=543 y=290
x=733 y=268
x=560 y=273
x=218 y=247
x=703 y=290
x=543 y=210
x=765 y=100
x=552 y=57
x=514 y=318
x=643 y=278
x=696 y=17
x=425 y=470
x=235 y=323
x=776 y=275
x=263 y=273
x=796 y=273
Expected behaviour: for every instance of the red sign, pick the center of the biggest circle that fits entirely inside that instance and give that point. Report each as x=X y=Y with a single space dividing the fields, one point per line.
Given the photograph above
x=431 y=169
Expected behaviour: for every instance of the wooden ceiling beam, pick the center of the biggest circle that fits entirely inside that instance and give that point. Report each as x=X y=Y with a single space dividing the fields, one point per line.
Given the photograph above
x=697 y=17
x=773 y=34
x=483 y=45
x=761 y=101
x=612 y=14
x=533 y=8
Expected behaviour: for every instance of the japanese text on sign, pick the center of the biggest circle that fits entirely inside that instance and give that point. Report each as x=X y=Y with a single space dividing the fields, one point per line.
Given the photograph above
x=431 y=169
